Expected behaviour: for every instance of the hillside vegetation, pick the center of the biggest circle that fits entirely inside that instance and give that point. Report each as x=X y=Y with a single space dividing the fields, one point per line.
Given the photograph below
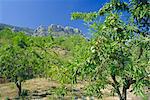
x=24 y=57
x=115 y=61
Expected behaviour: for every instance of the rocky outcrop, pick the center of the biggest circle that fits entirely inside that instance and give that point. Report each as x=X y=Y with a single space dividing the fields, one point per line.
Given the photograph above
x=64 y=30
x=54 y=30
x=40 y=31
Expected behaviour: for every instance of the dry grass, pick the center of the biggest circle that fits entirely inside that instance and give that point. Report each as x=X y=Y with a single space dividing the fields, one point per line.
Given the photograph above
x=41 y=84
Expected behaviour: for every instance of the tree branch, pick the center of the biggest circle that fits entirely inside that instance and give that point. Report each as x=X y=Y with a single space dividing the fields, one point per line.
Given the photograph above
x=116 y=85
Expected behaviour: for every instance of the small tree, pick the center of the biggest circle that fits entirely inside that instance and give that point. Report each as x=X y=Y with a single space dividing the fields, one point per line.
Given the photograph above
x=120 y=55
x=18 y=62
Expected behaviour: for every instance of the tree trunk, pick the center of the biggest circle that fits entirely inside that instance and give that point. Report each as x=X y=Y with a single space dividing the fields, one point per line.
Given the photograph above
x=18 y=84
x=124 y=94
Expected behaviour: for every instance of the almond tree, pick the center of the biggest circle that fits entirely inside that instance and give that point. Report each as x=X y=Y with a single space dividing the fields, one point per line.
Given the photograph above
x=18 y=59
x=120 y=55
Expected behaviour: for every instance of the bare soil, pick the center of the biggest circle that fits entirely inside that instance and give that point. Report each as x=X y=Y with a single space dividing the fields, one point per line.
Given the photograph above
x=42 y=89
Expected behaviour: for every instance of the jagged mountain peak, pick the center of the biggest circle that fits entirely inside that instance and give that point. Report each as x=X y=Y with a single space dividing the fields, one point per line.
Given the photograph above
x=52 y=29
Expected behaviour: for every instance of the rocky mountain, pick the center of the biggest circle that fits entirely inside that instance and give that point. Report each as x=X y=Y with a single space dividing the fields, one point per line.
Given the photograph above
x=54 y=30
x=57 y=30
x=40 y=31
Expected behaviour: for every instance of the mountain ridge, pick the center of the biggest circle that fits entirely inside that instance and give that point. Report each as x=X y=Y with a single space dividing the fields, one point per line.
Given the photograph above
x=53 y=29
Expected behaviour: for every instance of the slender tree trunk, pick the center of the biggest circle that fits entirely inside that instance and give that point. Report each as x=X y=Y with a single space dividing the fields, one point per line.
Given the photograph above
x=116 y=86
x=118 y=92
x=124 y=94
x=18 y=84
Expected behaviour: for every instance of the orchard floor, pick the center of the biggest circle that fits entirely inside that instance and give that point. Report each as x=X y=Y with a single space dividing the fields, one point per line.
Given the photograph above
x=44 y=89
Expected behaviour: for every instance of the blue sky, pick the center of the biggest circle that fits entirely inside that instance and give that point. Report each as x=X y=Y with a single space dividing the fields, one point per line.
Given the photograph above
x=32 y=13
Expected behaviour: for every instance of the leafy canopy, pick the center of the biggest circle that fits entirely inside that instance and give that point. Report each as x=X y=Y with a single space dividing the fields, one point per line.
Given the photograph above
x=120 y=54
